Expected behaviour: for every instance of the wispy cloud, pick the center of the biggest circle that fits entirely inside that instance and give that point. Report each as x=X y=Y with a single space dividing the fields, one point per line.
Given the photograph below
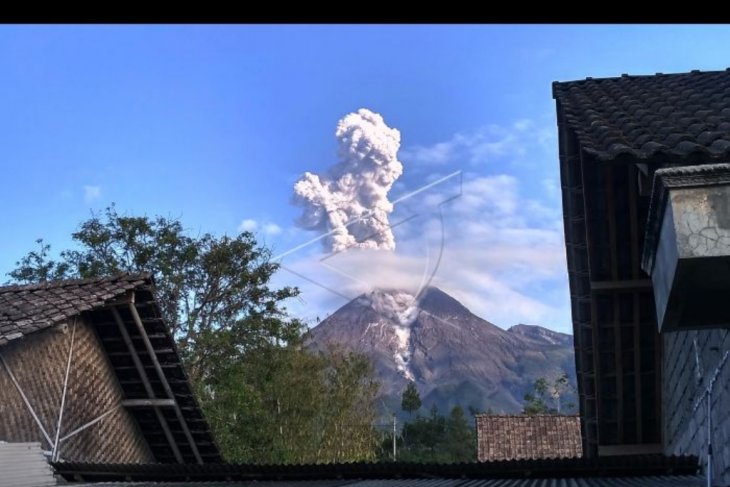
x=91 y=194
x=271 y=229
x=476 y=147
x=503 y=256
x=266 y=227
x=248 y=225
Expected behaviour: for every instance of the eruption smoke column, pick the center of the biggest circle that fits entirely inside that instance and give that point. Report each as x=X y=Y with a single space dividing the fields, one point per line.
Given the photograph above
x=351 y=200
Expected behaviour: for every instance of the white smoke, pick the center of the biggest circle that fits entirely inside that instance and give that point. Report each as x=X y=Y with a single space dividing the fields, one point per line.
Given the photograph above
x=351 y=200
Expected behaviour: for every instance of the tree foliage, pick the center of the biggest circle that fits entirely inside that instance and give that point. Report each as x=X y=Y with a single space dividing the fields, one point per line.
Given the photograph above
x=410 y=399
x=436 y=439
x=286 y=405
x=546 y=396
x=266 y=397
x=213 y=291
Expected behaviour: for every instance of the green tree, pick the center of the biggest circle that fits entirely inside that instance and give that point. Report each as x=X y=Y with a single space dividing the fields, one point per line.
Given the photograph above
x=267 y=398
x=460 y=438
x=213 y=291
x=433 y=439
x=545 y=392
x=348 y=410
x=423 y=438
x=535 y=400
x=410 y=399
x=37 y=266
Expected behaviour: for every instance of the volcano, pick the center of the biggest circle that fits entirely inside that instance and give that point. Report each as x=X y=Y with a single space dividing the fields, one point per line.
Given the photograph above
x=453 y=356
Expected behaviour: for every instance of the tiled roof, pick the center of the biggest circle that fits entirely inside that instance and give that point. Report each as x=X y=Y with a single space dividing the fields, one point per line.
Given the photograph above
x=597 y=471
x=665 y=117
x=29 y=308
x=527 y=437
x=654 y=481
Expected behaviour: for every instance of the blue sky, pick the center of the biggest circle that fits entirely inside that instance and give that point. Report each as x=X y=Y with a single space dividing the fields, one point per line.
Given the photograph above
x=215 y=124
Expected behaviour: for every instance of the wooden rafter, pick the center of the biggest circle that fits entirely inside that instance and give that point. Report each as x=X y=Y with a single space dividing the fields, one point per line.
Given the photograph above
x=164 y=381
x=146 y=382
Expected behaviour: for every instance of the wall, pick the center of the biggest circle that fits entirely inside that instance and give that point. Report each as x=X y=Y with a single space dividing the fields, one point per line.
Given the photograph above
x=38 y=361
x=685 y=376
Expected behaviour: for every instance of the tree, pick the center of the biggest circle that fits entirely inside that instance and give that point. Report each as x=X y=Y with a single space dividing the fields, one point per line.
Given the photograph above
x=266 y=398
x=436 y=439
x=348 y=410
x=286 y=405
x=410 y=399
x=537 y=401
x=460 y=438
x=36 y=266
x=213 y=291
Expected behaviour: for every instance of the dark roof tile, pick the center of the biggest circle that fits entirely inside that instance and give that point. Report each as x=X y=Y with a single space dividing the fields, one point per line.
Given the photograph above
x=606 y=115
x=29 y=308
x=572 y=471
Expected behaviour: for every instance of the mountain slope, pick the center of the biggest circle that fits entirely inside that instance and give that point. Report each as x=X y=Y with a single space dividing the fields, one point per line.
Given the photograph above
x=453 y=356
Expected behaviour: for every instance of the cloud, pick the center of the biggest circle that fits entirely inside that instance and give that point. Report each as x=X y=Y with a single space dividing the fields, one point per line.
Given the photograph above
x=271 y=229
x=483 y=145
x=91 y=194
x=266 y=227
x=497 y=245
x=248 y=225
x=503 y=257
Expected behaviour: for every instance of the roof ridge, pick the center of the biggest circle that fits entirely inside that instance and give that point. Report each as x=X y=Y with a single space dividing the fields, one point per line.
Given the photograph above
x=660 y=119
x=591 y=79
x=61 y=283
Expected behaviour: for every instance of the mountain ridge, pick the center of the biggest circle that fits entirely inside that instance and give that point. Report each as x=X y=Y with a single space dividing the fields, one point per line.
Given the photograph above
x=435 y=341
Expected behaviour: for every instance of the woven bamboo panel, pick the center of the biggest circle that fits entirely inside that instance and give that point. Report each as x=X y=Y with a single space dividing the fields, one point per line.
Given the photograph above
x=39 y=362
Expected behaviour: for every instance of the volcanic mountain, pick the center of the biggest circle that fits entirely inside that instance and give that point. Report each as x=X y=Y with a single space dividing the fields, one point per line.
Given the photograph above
x=452 y=355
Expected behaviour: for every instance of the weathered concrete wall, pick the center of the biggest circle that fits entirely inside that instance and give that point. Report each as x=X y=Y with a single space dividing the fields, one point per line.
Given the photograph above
x=686 y=375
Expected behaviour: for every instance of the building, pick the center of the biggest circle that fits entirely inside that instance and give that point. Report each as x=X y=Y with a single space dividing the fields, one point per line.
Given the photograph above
x=631 y=147
x=89 y=370
x=522 y=437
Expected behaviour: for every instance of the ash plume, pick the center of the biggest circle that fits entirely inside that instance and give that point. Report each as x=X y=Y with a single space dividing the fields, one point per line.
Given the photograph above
x=351 y=200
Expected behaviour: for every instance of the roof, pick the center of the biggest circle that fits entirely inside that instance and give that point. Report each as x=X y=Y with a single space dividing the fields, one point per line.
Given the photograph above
x=24 y=465
x=664 y=117
x=503 y=437
x=659 y=481
x=637 y=470
x=30 y=308
x=176 y=432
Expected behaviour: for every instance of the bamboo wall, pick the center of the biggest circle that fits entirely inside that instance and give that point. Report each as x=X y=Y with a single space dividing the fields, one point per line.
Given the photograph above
x=38 y=362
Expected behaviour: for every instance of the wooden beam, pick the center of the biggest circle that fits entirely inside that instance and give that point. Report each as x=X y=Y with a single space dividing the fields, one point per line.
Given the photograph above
x=632 y=449
x=658 y=355
x=594 y=439
x=634 y=221
x=618 y=363
x=634 y=176
x=146 y=382
x=621 y=285
x=163 y=380
x=637 y=368
x=133 y=403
